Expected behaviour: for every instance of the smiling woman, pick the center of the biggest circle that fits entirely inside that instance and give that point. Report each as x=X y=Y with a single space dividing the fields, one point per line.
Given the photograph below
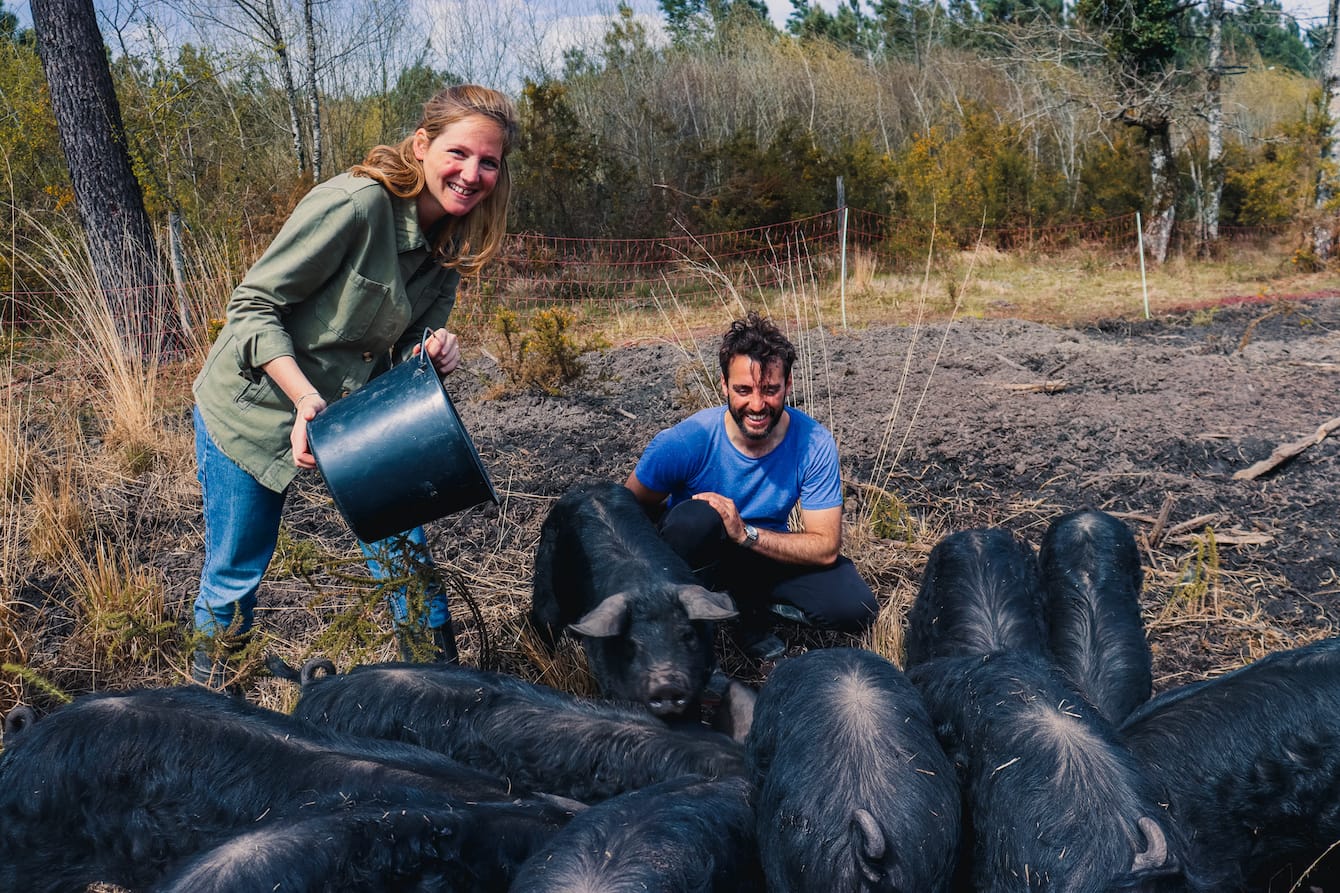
x=399 y=230
x=460 y=167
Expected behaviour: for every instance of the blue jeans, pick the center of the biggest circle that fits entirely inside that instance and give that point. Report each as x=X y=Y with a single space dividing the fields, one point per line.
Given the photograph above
x=241 y=530
x=387 y=559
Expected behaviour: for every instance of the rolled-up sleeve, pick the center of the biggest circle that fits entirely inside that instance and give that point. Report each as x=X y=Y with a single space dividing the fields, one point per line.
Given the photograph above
x=309 y=250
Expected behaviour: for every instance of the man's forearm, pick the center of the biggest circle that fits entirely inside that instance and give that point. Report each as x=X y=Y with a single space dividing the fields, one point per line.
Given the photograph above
x=797 y=547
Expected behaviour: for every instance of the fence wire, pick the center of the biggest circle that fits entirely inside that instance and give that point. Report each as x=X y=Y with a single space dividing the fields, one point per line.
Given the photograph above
x=534 y=270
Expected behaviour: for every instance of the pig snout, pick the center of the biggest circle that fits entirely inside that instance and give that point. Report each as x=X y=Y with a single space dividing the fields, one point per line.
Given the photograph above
x=668 y=694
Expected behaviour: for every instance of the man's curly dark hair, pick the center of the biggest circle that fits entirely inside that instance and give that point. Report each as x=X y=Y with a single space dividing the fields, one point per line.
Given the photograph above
x=758 y=338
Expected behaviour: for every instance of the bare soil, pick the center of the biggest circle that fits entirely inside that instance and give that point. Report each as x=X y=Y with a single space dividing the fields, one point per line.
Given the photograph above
x=1010 y=423
x=941 y=427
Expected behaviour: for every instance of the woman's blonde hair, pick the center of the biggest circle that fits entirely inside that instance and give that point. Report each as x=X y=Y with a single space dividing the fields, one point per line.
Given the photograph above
x=466 y=243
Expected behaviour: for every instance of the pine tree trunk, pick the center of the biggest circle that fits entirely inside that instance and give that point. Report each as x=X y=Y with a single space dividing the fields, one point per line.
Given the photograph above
x=92 y=136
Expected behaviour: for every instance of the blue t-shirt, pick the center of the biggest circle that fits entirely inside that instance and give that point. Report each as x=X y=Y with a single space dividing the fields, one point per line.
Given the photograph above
x=696 y=456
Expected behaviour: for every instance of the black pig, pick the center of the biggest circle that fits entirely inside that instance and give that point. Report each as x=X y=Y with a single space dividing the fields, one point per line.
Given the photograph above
x=854 y=792
x=980 y=593
x=683 y=836
x=1091 y=577
x=369 y=849
x=114 y=788
x=1052 y=800
x=602 y=571
x=20 y=717
x=539 y=738
x=1252 y=760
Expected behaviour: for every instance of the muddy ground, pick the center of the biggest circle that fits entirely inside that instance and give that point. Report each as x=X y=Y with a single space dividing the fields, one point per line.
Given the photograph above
x=1004 y=422
x=941 y=427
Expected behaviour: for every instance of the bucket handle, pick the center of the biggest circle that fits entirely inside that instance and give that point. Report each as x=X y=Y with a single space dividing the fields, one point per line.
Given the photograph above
x=423 y=348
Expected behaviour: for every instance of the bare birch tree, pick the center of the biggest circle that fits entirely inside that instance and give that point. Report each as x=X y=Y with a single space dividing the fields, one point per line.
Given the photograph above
x=259 y=23
x=1323 y=234
x=313 y=94
x=1214 y=125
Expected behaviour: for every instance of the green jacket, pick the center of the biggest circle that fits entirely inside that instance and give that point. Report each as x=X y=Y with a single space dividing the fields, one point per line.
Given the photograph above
x=346 y=288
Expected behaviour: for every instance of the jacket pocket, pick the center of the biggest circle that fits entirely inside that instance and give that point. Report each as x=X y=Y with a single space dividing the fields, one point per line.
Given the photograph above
x=260 y=393
x=350 y=314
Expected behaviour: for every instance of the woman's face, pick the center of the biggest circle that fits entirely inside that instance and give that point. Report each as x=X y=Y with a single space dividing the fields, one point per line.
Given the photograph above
x=460 y=167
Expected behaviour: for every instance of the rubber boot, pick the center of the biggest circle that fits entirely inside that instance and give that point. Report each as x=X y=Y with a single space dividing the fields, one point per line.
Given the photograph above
x=444 y=643
x=209 y=665
x=753 y=635
x=404 y=640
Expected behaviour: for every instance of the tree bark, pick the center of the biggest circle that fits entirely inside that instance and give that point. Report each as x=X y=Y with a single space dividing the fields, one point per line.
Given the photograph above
x=1214 y=114
x=280 y=48
x=313 y=95
x=1323 y=234
x=1162 y=182
x=92 y=136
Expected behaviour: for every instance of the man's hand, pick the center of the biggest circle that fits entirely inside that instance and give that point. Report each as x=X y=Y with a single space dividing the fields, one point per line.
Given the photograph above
x=730 y=515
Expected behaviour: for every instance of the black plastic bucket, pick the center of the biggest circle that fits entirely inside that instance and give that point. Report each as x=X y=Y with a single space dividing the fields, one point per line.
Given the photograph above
x=395 y=454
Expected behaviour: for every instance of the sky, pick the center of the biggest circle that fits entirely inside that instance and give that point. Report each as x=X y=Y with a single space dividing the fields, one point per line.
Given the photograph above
x=1314 y=10
x=538 y=30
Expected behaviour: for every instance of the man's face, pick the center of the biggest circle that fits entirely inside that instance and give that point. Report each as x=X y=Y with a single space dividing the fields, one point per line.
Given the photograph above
x=755 y=395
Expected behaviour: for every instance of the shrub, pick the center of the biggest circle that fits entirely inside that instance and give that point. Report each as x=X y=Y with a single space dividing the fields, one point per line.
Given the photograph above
x=547 y=357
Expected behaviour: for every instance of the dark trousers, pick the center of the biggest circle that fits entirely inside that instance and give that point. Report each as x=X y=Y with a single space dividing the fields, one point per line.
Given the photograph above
x=830 y=597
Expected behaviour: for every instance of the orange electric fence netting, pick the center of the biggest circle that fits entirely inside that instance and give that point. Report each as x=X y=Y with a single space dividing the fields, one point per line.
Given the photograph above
x=534 y=270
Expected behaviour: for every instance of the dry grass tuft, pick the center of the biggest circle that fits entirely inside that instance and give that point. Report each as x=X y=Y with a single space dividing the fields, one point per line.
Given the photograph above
x=125 y=630
x=1208 y=615
x=885 y=636
x=59 y=517
x=565 y=668
x=18 y=465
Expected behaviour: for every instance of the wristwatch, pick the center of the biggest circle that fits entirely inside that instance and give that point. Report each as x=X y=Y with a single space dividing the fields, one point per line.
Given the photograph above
x=750 y=537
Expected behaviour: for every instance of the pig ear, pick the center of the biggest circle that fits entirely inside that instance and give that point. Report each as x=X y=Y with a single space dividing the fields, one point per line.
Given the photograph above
x=605 y=619
x=704 y=604
x=869 y=843
x=1155 y=854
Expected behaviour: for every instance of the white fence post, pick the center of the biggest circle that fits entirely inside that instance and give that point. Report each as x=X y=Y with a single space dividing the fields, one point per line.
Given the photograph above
x=842 y=267
x=1140 y=241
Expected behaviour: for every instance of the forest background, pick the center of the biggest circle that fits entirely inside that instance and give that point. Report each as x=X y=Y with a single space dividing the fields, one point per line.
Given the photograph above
x=708 y=118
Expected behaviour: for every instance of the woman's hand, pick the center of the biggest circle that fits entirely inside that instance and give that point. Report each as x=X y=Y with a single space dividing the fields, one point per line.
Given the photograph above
x=444 y=351
x=308 y=407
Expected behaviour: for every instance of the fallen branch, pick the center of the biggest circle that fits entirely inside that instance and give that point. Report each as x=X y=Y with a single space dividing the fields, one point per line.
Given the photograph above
x=1285 y=452
x=1134 y=516
x=1165 y=512
x=1052 y=386
x=1232 y=537
x=1198 y=521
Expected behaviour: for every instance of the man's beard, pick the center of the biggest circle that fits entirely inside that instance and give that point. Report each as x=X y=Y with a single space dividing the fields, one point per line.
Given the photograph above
x=739 y=414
